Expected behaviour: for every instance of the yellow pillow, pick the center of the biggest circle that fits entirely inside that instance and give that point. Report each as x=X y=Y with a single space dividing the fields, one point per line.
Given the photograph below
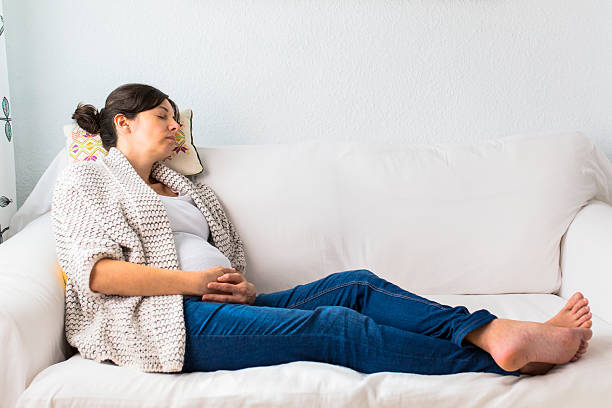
x=61 y=276
x=83 y=146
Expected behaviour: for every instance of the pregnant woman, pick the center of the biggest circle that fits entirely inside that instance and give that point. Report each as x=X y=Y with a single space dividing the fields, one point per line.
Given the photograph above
x=157 y=279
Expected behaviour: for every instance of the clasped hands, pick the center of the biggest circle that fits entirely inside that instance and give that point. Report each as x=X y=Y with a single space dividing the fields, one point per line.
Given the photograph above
x=230 y=286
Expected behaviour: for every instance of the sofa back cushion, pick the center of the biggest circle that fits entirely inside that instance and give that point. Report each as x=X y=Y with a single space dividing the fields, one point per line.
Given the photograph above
x=480 y=218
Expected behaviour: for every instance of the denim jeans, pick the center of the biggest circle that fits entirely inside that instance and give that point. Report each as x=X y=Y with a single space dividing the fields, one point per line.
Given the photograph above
x=353 y=319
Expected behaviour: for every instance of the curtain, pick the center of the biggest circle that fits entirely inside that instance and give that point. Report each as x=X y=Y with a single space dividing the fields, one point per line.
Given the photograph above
x=7 y=156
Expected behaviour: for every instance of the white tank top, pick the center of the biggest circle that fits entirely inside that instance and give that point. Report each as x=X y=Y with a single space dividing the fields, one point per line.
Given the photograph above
x=190 y=230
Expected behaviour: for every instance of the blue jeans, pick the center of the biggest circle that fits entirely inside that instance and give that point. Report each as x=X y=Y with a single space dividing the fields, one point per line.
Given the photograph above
x=353 y=319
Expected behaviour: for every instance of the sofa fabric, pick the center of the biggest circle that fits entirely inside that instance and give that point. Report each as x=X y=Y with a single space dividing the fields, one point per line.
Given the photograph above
x=481 y=218
x=501 y=225
x=311 y=384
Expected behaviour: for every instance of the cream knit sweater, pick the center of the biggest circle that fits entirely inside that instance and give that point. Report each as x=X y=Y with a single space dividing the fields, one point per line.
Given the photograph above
x=105 y=210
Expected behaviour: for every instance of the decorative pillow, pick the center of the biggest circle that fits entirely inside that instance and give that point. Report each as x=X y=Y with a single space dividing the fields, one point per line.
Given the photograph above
x=83 y=146
x=61 y=275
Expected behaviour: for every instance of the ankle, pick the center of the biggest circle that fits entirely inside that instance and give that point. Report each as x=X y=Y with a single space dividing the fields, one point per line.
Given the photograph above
x=480 y=336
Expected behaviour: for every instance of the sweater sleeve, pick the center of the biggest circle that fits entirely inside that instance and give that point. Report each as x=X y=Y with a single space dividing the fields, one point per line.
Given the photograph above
x=80 y=225
x=237 y=258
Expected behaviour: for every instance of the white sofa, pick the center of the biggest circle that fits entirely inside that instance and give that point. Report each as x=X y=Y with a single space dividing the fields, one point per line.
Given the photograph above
x=514 y=225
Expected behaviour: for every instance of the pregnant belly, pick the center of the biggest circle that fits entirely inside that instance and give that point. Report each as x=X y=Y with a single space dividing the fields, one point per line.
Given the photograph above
x=196 y=254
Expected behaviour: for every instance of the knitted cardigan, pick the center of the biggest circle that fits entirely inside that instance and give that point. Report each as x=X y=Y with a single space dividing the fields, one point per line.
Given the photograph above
x=105 y=210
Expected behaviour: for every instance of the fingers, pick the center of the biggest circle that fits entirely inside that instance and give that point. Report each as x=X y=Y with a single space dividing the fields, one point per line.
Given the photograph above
x=222 y=270
x=234 y=293
x=228 y=287
x=226 y=298
x=233 y=277
x=221 y=298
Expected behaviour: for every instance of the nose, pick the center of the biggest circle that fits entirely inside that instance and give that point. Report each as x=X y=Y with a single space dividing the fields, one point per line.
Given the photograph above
x=175 y=126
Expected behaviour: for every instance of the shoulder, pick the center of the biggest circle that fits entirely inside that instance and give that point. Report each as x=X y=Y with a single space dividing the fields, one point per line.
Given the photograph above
x=81 y=172
x=83 y=178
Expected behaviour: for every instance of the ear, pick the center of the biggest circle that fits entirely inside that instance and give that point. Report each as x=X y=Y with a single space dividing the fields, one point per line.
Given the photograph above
x=122 y=124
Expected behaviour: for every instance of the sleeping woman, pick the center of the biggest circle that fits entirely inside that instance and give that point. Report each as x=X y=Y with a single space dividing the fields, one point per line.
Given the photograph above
x=156 y=279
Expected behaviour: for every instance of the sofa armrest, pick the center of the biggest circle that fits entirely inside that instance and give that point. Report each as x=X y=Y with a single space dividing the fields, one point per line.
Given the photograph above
x=31 y=308
x=586 y=258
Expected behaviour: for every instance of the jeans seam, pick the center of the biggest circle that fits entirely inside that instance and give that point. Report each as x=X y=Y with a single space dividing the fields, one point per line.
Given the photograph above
x=362 y=283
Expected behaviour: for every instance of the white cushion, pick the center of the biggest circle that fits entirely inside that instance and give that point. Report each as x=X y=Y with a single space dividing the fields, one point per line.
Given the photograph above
x=79 y=382
x=484 y=218
x=31 y=308
x=39 y=200
x=586 y=257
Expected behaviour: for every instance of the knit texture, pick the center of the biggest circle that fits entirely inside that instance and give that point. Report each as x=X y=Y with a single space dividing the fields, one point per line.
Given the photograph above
x=105 y=210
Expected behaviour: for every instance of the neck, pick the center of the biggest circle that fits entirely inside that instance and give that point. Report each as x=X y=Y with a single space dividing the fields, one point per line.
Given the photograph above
x=141 y=163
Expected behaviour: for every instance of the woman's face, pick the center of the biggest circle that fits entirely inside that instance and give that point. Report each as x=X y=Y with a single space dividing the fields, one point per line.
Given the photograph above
x=152 y=132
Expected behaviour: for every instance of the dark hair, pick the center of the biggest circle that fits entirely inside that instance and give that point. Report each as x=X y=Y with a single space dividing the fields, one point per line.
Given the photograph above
x=129 y=100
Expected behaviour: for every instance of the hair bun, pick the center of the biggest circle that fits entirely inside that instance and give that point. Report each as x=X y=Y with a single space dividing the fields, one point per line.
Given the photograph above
x=87 y=117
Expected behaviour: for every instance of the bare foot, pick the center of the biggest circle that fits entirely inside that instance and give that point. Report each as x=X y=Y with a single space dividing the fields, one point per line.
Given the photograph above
x=536 y=368
x=543 y=368
x=515 y=344
x=581 y=350
x=575 y=313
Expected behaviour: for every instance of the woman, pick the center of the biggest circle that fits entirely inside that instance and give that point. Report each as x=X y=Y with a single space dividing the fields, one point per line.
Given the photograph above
x=156 y=279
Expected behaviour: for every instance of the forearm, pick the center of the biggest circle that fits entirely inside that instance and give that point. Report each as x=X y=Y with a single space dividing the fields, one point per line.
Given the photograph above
x=113 y=277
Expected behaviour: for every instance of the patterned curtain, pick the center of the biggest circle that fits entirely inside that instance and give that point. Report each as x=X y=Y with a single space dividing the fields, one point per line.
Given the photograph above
x=7 y=157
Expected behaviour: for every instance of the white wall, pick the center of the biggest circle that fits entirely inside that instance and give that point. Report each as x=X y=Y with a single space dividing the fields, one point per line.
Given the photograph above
x=273 y=71
x=8 y=204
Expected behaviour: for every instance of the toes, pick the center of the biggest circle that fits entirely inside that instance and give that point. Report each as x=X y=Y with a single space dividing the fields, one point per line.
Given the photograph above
x=577 y=296
x=580 y=351
x=587 y=317
x=582 y=311
x=579 y=305
x=573 y=299
x=587 y=325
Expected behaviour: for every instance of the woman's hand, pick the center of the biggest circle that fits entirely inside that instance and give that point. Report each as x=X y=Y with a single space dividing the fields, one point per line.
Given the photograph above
x=198 y=280
x=236 y=288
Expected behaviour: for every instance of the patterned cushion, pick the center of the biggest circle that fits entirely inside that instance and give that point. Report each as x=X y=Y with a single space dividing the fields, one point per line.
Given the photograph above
x=83 y=146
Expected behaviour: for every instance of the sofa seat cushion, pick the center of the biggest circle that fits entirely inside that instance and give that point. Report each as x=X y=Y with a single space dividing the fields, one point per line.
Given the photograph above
x=80 y=382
